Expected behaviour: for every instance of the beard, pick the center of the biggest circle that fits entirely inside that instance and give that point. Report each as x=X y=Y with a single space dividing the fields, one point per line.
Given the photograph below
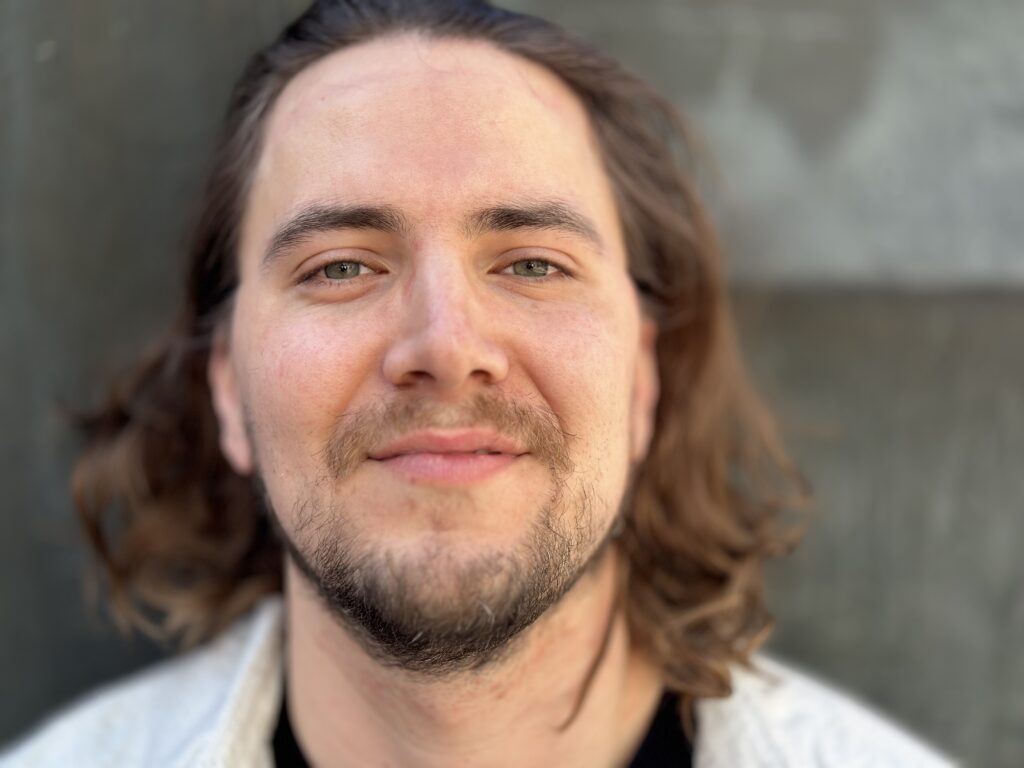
x=431 y=609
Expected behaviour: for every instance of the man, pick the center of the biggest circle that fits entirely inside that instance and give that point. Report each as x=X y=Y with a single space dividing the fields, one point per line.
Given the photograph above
x=455 y=374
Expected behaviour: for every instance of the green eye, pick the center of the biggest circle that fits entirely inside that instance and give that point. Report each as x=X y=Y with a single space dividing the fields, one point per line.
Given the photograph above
x=342 y=270
x=531 y=268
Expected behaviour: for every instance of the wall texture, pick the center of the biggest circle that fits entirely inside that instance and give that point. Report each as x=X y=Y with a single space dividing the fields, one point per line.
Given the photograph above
x=870 y=165
x=857 y=141
x=907 y=413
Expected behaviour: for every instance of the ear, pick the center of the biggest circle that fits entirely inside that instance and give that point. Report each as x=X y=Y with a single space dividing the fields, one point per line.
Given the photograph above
x=227 y=405
x=646 y=390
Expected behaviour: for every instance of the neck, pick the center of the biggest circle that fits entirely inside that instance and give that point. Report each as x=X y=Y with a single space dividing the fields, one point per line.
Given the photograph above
x=525 y=710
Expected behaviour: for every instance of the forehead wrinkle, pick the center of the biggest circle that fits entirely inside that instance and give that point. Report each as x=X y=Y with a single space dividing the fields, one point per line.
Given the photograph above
x=310 y=88
x=328 y=99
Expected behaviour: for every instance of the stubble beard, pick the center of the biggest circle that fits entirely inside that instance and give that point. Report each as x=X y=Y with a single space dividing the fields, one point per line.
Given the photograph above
x=432 y=611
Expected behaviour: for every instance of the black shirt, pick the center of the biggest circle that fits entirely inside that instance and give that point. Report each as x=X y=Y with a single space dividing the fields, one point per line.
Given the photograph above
x=664 y=745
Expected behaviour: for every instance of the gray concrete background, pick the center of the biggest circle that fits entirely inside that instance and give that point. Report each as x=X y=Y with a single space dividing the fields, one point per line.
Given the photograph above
x=857 y=141
x=870 y=167
x=907 y=412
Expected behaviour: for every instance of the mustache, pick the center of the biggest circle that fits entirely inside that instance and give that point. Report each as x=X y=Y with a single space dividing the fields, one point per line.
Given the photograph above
x=359 y=431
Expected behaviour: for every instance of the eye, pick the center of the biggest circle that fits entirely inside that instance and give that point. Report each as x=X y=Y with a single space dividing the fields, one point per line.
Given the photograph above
x=335 y=272
x=342 y=270
x=537 y=269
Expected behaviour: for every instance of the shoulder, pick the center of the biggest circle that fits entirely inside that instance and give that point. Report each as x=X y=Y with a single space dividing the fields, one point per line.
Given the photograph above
x=161 y=714
x=779 y=716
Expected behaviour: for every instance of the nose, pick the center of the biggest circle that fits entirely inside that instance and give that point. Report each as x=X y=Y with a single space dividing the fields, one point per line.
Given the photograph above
x=446 y=339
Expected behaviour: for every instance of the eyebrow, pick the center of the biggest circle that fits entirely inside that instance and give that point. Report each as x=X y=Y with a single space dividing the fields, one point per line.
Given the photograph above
x=555 y=215
x=320 y=217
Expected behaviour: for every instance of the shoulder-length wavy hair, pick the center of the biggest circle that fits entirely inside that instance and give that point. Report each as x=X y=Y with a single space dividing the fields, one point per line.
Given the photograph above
x=182 y=539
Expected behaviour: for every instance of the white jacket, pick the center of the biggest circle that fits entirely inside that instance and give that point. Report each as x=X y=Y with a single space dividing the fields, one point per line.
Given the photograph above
x=217 y=707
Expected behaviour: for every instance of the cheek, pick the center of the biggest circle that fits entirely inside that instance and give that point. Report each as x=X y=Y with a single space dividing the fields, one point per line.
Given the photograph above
x=302 y=373
x=580 y=362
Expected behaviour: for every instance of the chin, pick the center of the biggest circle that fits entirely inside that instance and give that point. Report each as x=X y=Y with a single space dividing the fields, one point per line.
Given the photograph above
x=420 y=517
x=438 y=582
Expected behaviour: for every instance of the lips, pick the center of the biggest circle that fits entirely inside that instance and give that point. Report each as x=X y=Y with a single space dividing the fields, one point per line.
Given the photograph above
x=448 y=458
x=471 y=442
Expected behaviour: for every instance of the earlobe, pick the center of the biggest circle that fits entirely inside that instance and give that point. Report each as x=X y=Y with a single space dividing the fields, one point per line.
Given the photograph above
x=646 y=390
x=227 y=405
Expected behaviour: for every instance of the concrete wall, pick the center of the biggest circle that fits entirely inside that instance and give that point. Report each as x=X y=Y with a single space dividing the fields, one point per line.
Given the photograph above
x=858 y=141
x=861 y=145
x=907 y=413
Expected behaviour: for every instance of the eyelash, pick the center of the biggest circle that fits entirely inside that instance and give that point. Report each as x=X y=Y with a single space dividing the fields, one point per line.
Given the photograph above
x=317 y=275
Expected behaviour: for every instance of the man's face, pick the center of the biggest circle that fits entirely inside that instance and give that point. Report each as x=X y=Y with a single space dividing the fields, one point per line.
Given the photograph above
x=431 y=249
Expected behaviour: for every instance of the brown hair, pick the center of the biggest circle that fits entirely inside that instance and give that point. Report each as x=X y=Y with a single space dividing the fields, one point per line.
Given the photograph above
x=182 y=538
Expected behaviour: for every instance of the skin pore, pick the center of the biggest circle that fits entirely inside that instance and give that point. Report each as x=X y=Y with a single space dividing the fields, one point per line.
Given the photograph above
x=430 y=241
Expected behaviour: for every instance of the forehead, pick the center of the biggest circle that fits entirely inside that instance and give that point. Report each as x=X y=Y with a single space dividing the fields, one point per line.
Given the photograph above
x=431 y=126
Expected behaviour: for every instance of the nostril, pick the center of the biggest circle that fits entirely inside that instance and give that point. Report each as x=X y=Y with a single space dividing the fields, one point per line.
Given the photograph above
x=413 y=377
